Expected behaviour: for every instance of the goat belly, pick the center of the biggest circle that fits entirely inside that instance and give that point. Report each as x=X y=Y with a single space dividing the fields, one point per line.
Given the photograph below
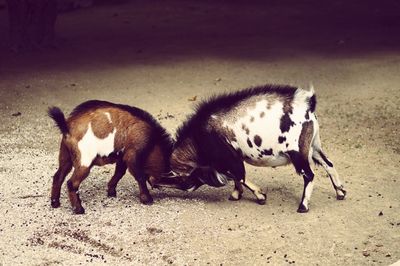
x=103 y=160
x=271 y=161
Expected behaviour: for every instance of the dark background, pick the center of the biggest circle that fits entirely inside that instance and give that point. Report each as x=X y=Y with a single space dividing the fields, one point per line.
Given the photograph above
x=156 y=30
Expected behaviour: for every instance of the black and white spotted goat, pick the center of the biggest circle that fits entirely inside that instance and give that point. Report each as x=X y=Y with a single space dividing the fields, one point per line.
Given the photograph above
x=263 y=126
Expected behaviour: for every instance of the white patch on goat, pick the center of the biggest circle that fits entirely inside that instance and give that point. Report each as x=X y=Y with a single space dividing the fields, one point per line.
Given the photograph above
x=108 y=116
x=235 y=194
x=90 y=146
x=307 y=193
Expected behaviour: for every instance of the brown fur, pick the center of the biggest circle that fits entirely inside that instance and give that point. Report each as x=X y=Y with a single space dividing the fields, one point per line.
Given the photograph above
x=132 y=135
x=101 y=126
x=183 y=159
x=305 y=139
x=153 y=166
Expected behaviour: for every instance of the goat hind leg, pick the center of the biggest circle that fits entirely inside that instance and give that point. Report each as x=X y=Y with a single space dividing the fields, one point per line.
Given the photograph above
x=302 y=166
x=320 y=158
x=80 y=173
x=307 y=191
x=65 y=166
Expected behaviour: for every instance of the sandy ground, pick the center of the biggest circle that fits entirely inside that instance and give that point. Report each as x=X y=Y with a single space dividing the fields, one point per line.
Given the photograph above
x=157 y=55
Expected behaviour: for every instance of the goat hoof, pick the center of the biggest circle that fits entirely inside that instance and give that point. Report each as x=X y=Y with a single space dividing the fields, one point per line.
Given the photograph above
x=340 y=197
x=302 y=209
x=146 y=200
x=155 y=186
x=79 y=210
x=340 y=193
x=232 y=198
x=235 y=196
x=55 y=203
x=261 y=201
x=112 y=194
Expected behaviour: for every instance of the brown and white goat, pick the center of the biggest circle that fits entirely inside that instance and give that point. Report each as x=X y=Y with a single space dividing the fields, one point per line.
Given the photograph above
x=263 y=126
x=99 y=133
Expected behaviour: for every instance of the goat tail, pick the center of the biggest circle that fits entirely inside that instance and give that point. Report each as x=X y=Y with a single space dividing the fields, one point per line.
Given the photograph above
x=312 y=100
x=58 y=116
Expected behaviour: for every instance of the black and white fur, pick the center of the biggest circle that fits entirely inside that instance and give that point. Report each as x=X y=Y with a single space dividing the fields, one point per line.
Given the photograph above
x=264 y=126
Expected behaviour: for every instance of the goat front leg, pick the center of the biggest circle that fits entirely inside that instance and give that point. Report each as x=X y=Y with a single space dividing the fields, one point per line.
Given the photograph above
x=260 y=195
x=237 y=192
x=238 y=173
x=136 y=161
x=141 y=178
x=120 y=171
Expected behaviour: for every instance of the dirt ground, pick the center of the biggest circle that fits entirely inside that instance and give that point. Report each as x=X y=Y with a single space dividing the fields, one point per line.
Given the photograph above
x=159 y=55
